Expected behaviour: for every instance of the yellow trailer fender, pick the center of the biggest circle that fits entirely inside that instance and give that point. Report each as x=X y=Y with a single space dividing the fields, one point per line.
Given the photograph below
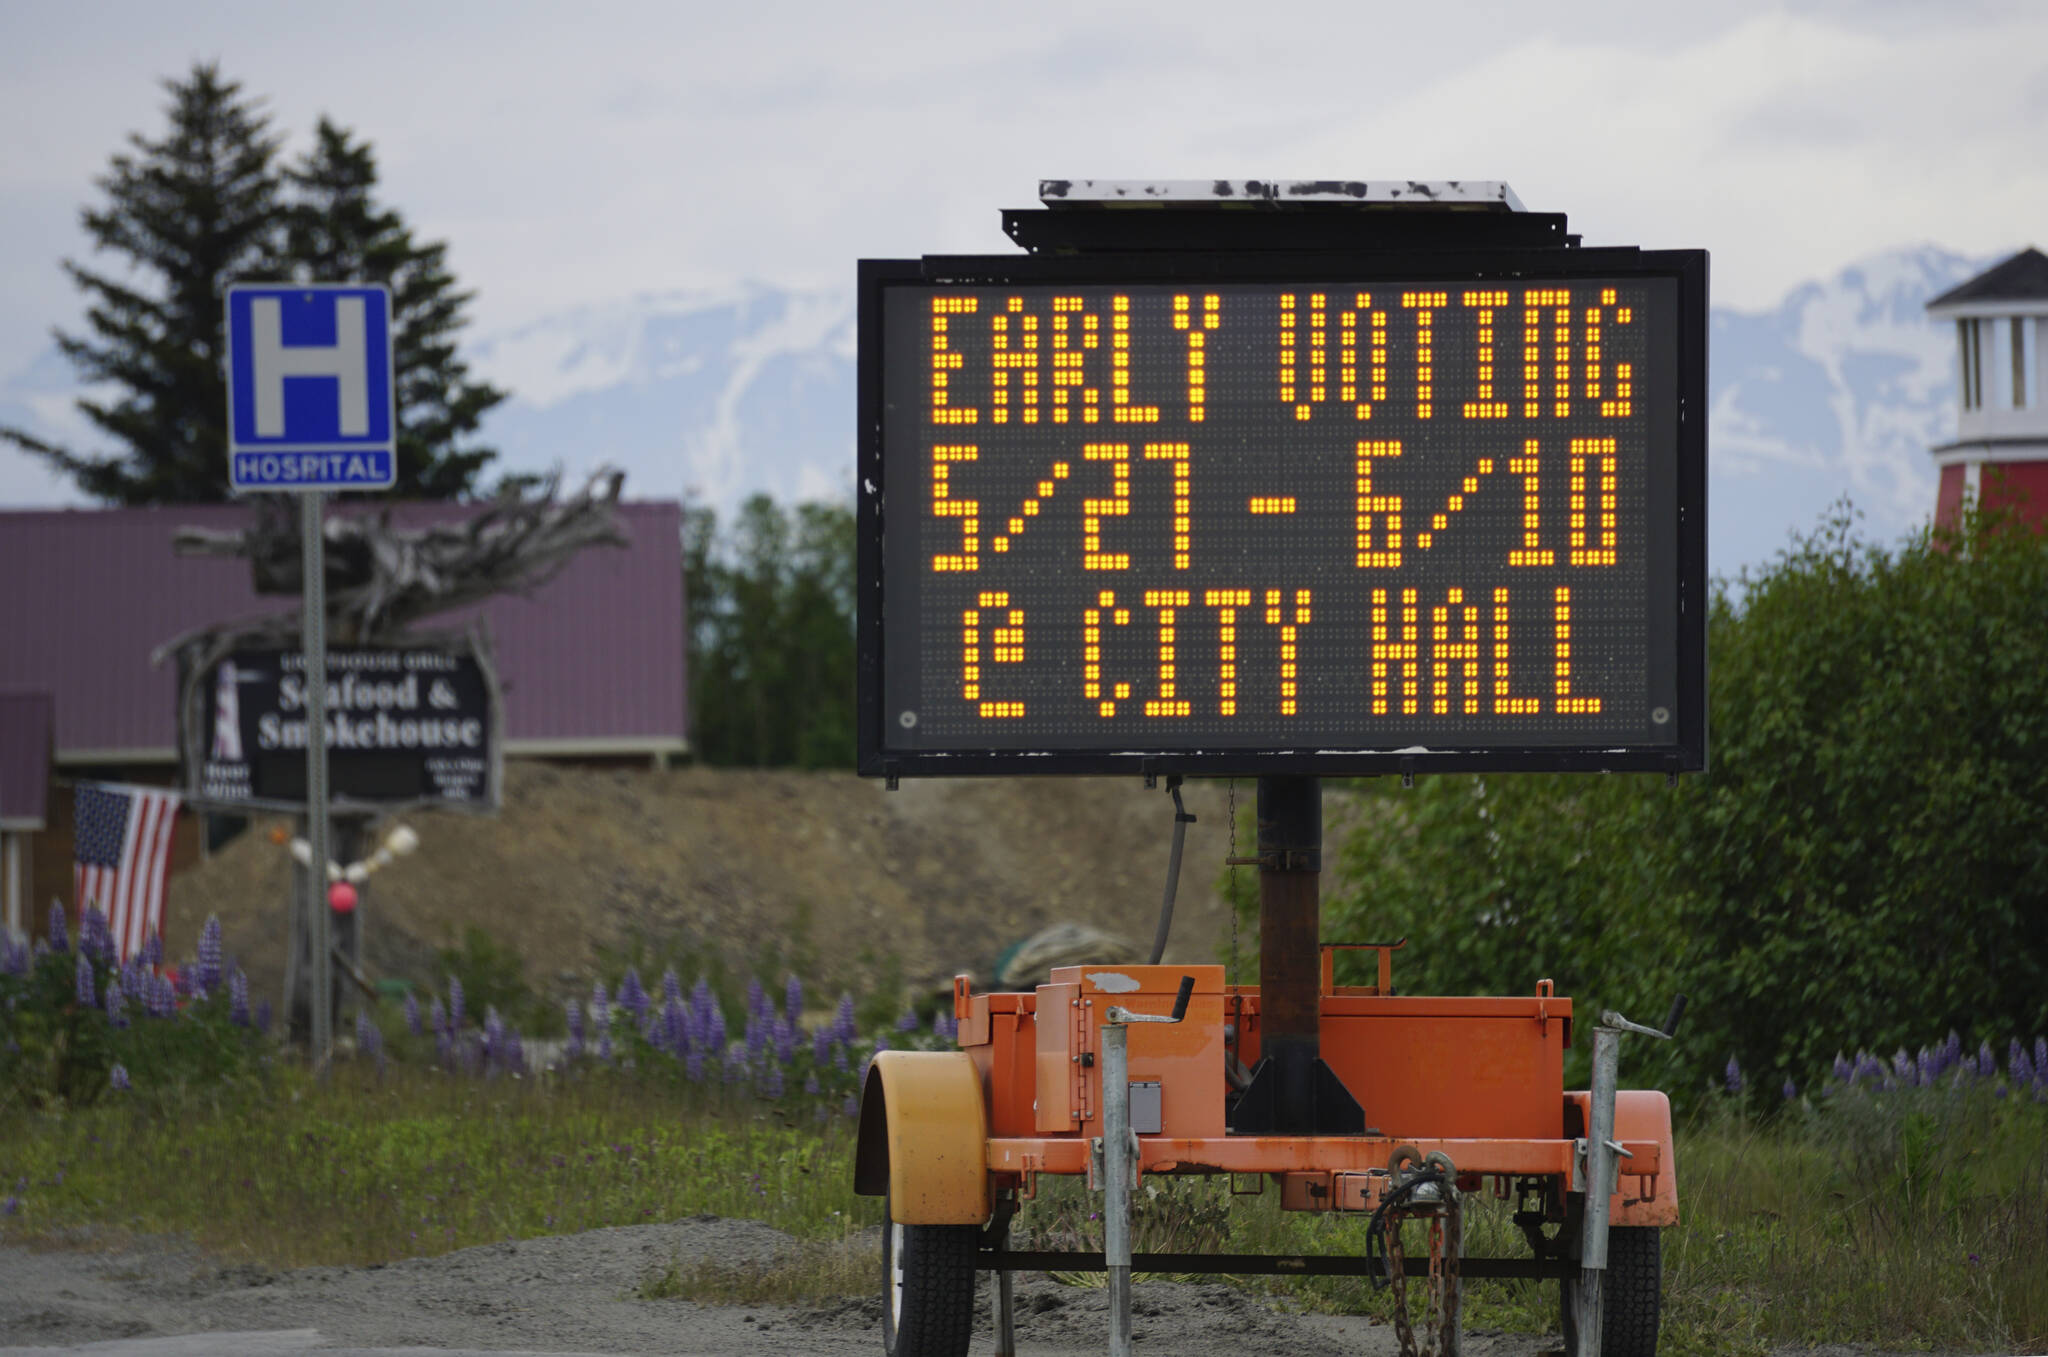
x=1639 y=1114
x=924 y=1138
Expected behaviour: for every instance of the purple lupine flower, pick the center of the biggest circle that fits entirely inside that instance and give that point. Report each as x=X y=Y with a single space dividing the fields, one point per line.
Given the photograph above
x=771 y=1083
x=1733 y=1076
x=2018 y=1068
x=153 y=949
x=757 y=998
x=851 y=1107
x=693 y=1064
x=2041 y=1059
x=263 y=1016
x=842 y=1021
x=95 y=939
x=369 y=1040
x=821 y=1045
x=785 y=1040
x=60 y=938
x=118 y=1077
x=116 y=1003
x=455 y=1003
x=908 y=1022
x=793 y=1002
x=238 y=998
x=811 y=1085
x=633 y=995
x=82 y=983
x=412 y=1013
x=161 y=999
x=494 y=1034
x=574 y=1050
x=515 y=1053
x=601 y=1017
x=11 y=1206
x=1902 y=1065
x=1987 y=1062
x=671 y=987
x=735 y=1062
x=14 y=957
x=437 y=1017
x=1923 y=1067
x=1791 y=1090
x=207 y=973
x=1955 y=1046
x=757 y=1037
x=714 y=1031
x=181 y=981
x=444 y=1047
x=701 y=1000
x=839 y=1056
x=947 y=1026
x=675 y=1026
x=1843 y=1072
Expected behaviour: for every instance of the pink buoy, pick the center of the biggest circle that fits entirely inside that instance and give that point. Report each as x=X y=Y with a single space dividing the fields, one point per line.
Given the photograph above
x=341 y=897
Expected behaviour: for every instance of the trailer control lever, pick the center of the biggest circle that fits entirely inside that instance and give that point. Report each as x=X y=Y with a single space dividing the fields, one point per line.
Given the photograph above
x=1119 y=1014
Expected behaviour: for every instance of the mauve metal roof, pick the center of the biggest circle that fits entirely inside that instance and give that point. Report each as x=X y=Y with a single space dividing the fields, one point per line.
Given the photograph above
x=591 y=662
x=25 y=720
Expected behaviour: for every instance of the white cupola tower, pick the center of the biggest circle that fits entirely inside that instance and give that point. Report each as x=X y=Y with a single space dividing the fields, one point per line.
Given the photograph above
x=1999 y=455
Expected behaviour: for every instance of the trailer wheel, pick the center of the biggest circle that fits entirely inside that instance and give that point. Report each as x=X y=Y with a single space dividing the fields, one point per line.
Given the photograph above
x=928 y=1288
x=1631 y=1295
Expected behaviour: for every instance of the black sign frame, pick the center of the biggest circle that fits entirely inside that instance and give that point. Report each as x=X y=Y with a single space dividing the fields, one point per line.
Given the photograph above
x=1689 y=597
x=198 y=677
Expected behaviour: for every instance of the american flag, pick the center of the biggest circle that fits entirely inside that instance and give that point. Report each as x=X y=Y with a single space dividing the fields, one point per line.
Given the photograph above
x=123 y=857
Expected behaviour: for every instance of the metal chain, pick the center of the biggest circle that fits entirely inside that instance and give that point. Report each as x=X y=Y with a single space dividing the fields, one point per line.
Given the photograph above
x=1441 y=1295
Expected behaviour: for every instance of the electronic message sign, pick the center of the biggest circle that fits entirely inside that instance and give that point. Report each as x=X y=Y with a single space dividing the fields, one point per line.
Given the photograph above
x=1340 y=521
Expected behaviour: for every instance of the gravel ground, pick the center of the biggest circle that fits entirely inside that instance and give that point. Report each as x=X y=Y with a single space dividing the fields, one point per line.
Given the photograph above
x=573 y=1293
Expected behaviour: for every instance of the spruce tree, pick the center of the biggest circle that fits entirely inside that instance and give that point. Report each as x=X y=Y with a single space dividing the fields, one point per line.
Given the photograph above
x=192 y=212
x=337 y=231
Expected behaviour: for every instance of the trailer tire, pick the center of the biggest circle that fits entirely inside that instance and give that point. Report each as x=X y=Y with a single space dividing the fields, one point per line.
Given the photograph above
x=1631 y=1295
x=928 y=1288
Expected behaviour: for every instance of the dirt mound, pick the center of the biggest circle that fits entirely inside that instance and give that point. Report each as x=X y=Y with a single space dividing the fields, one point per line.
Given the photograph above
x=852 y=880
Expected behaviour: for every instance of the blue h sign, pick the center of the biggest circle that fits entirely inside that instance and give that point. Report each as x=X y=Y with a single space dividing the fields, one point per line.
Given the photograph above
x=310 y=392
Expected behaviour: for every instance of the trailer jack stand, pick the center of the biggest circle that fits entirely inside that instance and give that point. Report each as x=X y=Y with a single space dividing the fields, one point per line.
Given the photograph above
x=1599 y=1162
x=1118 y=1152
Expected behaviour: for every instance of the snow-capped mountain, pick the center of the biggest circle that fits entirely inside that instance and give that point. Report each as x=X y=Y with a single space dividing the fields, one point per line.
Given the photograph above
x=1837 y=392
x=714 y=395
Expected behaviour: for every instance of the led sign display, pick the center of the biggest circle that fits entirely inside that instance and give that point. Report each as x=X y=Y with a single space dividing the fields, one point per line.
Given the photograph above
x=1356 y=523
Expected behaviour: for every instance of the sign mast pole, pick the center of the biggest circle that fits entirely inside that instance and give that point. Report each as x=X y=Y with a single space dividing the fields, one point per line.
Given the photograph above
x=289 y=344
x=312 y=520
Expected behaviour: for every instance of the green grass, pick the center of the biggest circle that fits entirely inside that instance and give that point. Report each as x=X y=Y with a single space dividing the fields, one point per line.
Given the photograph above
x=361 y=1170
x=1915 y=1220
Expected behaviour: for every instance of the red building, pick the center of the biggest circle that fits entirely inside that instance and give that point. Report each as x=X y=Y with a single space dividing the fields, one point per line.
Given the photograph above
x=590 y=663
x=1999 y=456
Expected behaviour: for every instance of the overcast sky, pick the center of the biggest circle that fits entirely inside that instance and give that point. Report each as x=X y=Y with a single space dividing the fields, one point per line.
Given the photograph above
x=578 y=153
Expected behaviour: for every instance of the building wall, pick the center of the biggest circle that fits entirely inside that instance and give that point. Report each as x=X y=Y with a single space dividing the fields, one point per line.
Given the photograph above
x=2019 y=485
x=1948 y=498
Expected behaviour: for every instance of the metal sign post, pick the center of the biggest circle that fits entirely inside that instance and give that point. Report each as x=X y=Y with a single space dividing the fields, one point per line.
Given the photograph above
x=312 y=518
x=312 y=407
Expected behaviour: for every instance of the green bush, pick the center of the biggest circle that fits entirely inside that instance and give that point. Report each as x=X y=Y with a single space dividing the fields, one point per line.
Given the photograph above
x=76 y=1028
x=1863 y=860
